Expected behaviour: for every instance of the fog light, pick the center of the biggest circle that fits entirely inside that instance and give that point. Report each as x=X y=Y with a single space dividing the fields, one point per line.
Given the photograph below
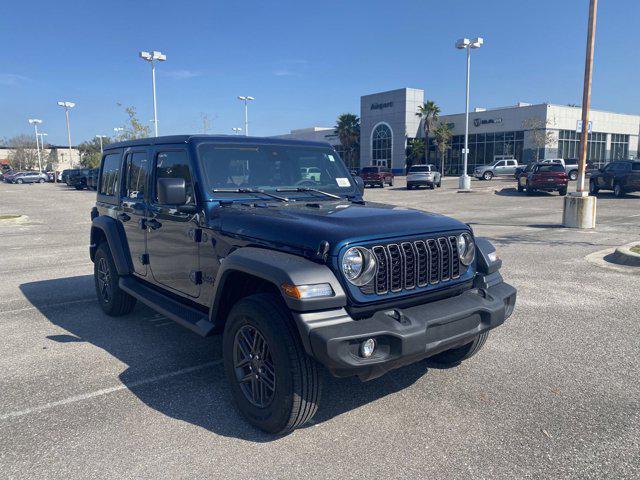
x=367 y=348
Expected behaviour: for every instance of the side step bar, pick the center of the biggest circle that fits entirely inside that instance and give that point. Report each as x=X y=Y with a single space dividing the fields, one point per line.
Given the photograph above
x=186 y=316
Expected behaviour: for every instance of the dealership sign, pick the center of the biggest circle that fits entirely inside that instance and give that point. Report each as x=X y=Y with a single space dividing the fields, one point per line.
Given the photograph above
x=486 y=121
x=380 y=106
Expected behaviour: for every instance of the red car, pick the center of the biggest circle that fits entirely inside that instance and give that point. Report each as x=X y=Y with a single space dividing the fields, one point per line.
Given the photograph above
x=548 y=177
x=377 y=176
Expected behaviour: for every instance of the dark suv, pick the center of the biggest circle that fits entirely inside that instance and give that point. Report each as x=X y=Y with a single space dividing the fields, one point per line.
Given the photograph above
x=78 y=178
x=621 y=176
x=227 y=235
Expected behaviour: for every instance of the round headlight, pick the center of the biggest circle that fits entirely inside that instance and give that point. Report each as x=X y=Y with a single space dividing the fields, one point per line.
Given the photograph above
x=466 y=248
x=358 y=265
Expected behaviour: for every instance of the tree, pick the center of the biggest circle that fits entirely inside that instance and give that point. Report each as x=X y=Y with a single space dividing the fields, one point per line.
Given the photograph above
x=428 y=112
x=442 y=138
x=415 y=151
x=24 y=153
x=539 y=136
x=90 y=154
x=348 y=131
x=133 y=128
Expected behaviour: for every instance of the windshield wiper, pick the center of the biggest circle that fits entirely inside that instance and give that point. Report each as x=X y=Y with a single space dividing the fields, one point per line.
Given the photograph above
x=307 y=189
x=250 y=190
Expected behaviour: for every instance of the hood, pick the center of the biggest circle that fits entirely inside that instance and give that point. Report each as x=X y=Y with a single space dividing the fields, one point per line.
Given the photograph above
x=303 y=225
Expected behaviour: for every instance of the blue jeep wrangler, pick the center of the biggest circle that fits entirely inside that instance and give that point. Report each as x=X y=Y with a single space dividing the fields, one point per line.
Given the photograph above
x=233 y=235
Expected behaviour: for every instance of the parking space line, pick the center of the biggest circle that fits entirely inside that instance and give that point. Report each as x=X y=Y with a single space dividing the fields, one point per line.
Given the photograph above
x=53 y=305
x=106 y=391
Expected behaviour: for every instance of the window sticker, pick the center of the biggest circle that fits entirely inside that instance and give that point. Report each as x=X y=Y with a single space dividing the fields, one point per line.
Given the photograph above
x=331 y=159
x=343 y=182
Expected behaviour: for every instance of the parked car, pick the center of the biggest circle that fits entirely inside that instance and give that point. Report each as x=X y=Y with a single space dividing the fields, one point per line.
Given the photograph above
x=373 y=176
x=64 y=176
x=78 y=178
x=6 y=174
x=28 y=177
x=621 y=176
x=500 y=168
x=311 y=173
x=354 y=172
x=423 y=175
x=92 y=179
x=296 y=278
x=549 y=177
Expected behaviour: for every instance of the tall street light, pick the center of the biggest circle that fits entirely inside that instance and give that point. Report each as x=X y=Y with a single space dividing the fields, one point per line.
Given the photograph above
x=67 y=106
x=462 y=44
x=101 y=137
x=35 y=122
x=237 y=130
x=152 y=58
x=246 y=100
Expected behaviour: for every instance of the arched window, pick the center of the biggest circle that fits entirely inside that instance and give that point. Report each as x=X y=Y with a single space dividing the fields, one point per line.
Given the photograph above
x=381 y=141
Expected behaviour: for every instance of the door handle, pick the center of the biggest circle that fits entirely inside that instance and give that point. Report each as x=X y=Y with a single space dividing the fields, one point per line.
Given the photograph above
x=152 y=223
x=124 y=217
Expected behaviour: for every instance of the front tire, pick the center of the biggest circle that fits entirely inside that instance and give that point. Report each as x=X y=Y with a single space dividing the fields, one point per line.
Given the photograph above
x=487 y=175
x=573 y=175
x=593 y=188
x=284 y=392
x=391 y=182
x=41 y=180
x=562 y=191
x=19 y=181
x=113 y=301
x=453 y=357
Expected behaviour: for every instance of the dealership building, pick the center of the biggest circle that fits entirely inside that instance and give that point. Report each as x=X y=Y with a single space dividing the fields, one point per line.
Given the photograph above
x=524 y=131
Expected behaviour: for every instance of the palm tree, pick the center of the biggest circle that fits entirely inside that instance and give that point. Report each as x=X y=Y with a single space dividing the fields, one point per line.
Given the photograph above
x=348 y=131
x=442 y=138
x=429 y=113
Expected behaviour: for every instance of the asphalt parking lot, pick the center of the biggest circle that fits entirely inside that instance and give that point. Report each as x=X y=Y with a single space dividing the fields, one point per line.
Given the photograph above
x=554 y=394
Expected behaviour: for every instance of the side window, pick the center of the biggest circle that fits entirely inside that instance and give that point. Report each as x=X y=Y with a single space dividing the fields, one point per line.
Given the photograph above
x=636 y=166
x=174 y=164
x=625 y=167
x=512 y=163
x=110 y=174
x=500 y=164
x=137 y=176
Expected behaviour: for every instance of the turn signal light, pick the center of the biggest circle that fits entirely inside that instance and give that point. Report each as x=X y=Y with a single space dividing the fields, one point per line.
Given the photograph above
x=302 y=292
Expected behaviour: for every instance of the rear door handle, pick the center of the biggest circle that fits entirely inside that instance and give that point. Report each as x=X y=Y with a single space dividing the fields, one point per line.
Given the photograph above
x=124 y=217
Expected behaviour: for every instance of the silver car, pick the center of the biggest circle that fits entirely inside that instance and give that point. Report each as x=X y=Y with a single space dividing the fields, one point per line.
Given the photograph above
x=500 y=168
x=423 y=175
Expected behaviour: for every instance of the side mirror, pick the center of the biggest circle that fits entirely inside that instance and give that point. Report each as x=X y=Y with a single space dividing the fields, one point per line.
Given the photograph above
x=359 y=184
x=172 y=191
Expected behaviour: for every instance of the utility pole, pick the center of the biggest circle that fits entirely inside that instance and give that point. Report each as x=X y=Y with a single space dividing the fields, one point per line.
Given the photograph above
x=579 y=207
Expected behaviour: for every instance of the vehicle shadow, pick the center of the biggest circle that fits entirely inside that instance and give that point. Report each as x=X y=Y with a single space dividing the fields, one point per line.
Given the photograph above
x=513 y=192
x=176 y=372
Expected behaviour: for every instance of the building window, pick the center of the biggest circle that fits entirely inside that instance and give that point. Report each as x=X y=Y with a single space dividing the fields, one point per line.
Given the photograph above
x=381 y=142
x=619 y=146
x=569 y=146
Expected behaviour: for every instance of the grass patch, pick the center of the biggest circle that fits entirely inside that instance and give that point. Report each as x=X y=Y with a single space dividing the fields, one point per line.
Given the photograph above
x=636 y=249
x=9 y=217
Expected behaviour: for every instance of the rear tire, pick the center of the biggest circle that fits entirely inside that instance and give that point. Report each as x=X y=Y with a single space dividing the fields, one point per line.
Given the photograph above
x=573 y=175
x=284 y=364
x=391 y=182
x=41 y=181
x=593 y=188
x=453 y=357
x=520 y=189
x=113 y=301
x=529 y=190
x=618 y=191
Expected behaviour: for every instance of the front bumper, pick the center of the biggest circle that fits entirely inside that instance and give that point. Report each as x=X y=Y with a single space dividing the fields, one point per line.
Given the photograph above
x=407 y=335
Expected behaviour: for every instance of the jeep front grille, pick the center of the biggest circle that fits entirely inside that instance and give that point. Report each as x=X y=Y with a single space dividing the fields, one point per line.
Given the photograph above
x=407 y=265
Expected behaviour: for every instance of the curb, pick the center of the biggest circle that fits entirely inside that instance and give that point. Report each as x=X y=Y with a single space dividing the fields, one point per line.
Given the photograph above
x=624 y=256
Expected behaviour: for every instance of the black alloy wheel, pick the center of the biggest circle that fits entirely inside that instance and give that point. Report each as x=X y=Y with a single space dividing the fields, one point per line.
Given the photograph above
x=253 y=366
x=103 y=280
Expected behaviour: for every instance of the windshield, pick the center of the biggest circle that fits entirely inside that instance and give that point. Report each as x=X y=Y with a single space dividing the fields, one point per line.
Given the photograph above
x=421 y=169
x=271 y=167
x=551 y=167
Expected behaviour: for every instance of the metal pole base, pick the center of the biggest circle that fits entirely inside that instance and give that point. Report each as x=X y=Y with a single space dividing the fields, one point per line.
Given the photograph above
x=464 y=183
x=579 y=211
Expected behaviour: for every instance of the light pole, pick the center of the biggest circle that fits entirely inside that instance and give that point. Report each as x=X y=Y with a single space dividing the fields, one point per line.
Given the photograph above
x=237 y=130
x=101 y=137
x=117 y=131
x=462 y=44
x=246 y=100
x=35 y=122
x=151 y=58
x=67 y=106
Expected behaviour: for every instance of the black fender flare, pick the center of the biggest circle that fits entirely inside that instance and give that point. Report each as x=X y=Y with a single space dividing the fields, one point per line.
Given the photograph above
x=112 y=231
x=279 y=268
x=483 y=250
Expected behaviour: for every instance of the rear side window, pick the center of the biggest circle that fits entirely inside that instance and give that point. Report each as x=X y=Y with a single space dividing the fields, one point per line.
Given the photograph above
x=175 y=164
x=110 y=174
x=137 y=175
x=636 y=166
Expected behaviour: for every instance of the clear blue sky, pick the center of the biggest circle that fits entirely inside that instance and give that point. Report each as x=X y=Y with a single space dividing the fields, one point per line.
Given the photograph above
x=304 y=62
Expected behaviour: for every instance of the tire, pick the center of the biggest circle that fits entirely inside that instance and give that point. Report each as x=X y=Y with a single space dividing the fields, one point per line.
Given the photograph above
x=593 y=188
x=618 y=191
x=487 y=175
x=439 y=183
x=562 y=191
x=294 y=398
x=453 y=357
x=41 y=181
x=391 y=182
x=573 y=175
x=78 y=187
x=409 y=187
x=19 y=181
x=529 y=190
x=382 y=184
x=520 y=189
x=432 y=186
x=113 y=301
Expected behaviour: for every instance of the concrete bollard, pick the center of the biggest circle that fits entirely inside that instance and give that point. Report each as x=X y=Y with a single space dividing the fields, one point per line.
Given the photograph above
x=579 y=211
